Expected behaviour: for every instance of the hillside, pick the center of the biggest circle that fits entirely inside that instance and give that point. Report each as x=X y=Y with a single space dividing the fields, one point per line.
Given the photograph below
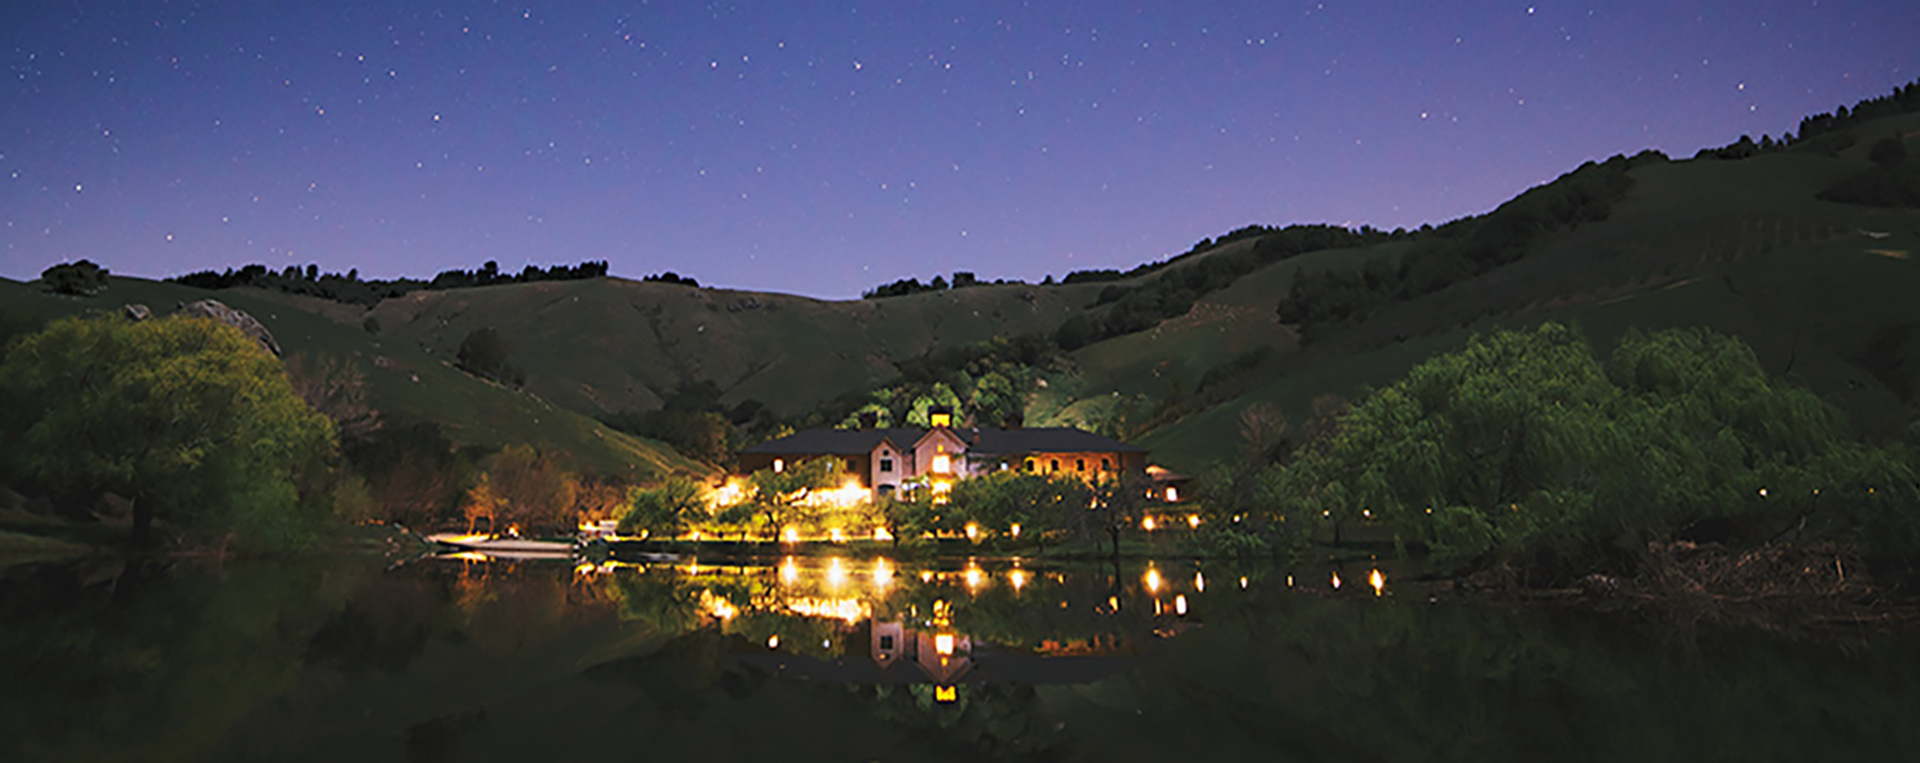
x=1744 y=244
x=1821 y=290
x=401 y=381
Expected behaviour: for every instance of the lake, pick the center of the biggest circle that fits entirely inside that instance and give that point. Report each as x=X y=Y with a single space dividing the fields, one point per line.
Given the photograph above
x=864 y=658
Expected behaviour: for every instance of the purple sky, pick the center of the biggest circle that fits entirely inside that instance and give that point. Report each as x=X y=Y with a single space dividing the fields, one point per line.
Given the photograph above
x=823 y=148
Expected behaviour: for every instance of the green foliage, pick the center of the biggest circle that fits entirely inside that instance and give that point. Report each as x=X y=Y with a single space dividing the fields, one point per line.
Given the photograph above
x=1522 y=447
x=776 y=494
x=526 y=488
x=1045 y=506
x=484 y=353
x=665 y=510
x=76 y=278
x=187 y=416
x=1324 y=302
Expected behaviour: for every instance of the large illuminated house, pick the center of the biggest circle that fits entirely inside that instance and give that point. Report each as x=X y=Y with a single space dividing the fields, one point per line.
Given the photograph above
x=888 y=461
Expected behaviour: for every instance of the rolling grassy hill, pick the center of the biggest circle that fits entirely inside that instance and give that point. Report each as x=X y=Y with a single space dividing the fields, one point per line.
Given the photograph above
x=1826 y=293
x=401 y=381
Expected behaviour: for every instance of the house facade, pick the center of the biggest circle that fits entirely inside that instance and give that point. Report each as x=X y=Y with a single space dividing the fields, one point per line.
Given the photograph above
x=884 y=460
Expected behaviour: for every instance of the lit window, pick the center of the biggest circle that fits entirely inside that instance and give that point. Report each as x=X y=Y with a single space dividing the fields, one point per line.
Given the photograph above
x=779 y=465
x=942 y=463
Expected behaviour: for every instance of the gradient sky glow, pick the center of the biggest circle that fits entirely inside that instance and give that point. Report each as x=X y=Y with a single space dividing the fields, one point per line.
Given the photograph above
x=823 y=148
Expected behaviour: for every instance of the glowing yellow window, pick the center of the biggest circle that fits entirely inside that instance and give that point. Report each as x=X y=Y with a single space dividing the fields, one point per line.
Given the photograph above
x=942 y=463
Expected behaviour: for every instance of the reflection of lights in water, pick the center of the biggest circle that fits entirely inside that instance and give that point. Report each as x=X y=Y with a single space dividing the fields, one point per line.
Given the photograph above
x=1199 y=582
x=1336 y=581
x=943 y=644
x=1018 y=578
x=881 y=534
x=926 y=576
x=1152 y=579
x=836 y=573
x=882 y=573
x=1156 y=608
x=1180 y=605
x=849 y=610
x=1015 y=529
x=1147 y=524
x=973 y=531
x=1113 y=603
x=975 y=578
x=836 y=536
x=1378 y=581
x=1243 y=581
x=789 y=572
x=696 y=535
x=946 y=693
x=717 y=606
x=1193 y=520
x=773 y=641
x=790 y=535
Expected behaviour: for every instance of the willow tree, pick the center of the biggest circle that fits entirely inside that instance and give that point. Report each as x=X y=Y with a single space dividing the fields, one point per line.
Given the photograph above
x=1522 y=445
x=186 y=416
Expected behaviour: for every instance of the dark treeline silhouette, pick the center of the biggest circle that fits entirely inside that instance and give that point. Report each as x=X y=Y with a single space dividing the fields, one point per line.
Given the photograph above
x=1172 y=291
x=1893 y=181
x=1828 y=133
x=961 y=280
x=1328 y=300
x=672 y=277
x=349 y=288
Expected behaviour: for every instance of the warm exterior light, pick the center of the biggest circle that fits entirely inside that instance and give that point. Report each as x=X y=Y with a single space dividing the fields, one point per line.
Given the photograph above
x=773 y=641
x=1193 y=520
x=1199 y=582
x=779 y=465
x=1152 y=579
x=1173 y=494
x=946 y=694
x=882 y=573
x=880 y=533
x=975 y=578
x=790 y=535
x=1336 y=581
x=973 y=531
x=937 y=420
x=1015 y=529
x=1378 y=581
x=1763 y=492
x=1180 y=605
x=1147 y=524
x=836 y=536
x=943 y=644
x=1018 y=578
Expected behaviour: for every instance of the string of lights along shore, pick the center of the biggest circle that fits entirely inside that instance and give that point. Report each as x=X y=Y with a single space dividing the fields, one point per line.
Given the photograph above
x=824 y=148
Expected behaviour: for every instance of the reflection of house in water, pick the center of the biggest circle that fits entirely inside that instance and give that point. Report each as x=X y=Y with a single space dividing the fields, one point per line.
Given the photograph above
x=942 y=654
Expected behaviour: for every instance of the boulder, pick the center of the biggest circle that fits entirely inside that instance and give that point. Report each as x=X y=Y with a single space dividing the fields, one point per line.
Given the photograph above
x=209 y=308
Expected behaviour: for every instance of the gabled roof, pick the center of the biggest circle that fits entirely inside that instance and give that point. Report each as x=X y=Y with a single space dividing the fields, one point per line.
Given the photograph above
x=1044 y=440
x=847 y=442
x=838 y=442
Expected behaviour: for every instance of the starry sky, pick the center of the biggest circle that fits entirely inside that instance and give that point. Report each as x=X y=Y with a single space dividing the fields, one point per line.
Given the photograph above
x=822 y=148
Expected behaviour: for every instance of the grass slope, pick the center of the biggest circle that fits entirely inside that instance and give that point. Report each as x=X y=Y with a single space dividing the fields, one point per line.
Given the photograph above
x=401 y=380
x=1823 y=292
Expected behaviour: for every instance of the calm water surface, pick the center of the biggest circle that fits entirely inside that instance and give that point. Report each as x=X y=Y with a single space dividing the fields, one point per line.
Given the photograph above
x=818 y=658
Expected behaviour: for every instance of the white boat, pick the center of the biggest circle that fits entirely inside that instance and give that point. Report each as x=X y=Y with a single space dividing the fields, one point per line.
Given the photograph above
x=491 y=545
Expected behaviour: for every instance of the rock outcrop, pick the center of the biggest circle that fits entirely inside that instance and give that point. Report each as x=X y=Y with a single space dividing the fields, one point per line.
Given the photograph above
x=209 y=308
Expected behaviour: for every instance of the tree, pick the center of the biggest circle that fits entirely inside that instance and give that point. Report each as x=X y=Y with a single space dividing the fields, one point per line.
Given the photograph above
x=76 y=278
x=484 y=353
x=1888 y=152
x=664 y=510
x=187 y=416
x=524 y=487
x=776 y=494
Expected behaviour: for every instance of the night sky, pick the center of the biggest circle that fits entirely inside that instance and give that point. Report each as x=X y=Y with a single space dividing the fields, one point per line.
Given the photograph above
x=823 y=148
